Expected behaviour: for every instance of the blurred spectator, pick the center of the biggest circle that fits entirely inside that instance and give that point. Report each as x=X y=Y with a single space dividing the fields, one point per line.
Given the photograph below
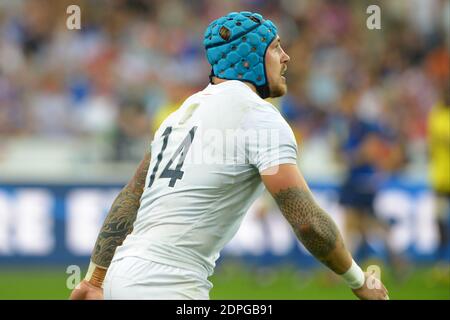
x=131 y=136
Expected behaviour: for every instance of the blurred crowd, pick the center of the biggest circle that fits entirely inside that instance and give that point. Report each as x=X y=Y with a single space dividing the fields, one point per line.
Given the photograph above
x=134 y=61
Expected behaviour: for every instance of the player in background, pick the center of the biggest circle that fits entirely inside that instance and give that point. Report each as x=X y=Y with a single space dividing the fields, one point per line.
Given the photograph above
x=166 y=228
x=370 y=151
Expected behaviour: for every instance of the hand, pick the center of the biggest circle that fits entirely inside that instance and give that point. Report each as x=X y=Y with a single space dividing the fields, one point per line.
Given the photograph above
x=376 y=291
x=86 y=291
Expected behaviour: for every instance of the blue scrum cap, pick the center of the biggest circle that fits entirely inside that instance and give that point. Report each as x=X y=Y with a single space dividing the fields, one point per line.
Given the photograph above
x=236 y=45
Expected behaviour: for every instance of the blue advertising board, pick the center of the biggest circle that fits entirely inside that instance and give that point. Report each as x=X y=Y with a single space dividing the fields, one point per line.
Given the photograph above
x=59 y=223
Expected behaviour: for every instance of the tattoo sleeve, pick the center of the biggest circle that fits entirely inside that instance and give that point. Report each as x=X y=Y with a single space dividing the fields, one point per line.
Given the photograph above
x=313 y=226
x=119 y=221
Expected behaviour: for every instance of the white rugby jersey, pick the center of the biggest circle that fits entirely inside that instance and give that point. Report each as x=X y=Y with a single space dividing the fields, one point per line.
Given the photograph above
x=204 y=175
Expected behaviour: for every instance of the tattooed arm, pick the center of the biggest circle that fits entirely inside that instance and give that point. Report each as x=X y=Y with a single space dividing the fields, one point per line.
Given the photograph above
x=317 y=231
x=313 y=226
x=118 y=224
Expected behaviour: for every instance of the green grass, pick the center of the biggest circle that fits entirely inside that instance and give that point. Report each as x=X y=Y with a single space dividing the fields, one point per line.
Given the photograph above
x=234 y=281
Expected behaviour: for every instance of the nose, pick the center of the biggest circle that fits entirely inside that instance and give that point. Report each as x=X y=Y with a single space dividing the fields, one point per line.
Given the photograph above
x=285 y=57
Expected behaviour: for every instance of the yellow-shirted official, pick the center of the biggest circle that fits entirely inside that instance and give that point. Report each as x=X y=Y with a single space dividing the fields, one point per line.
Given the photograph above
x=439 y=144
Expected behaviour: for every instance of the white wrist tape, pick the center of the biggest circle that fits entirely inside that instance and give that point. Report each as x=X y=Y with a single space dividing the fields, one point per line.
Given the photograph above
x=90 y=271
x=354 y=276
x=95 y=274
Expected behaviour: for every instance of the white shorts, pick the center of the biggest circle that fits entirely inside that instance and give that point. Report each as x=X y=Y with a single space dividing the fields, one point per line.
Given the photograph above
x=133 y=278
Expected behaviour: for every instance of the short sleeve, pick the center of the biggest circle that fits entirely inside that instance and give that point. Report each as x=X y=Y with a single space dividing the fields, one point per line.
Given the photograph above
x=270 y=140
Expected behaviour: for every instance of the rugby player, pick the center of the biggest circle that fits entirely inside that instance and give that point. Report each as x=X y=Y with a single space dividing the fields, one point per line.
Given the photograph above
x=210 y=160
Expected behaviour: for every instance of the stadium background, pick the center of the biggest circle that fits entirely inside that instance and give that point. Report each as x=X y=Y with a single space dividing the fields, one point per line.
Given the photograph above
x=78 y=108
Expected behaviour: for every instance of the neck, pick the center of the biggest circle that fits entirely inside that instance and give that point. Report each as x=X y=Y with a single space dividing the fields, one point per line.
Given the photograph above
x=216 y=80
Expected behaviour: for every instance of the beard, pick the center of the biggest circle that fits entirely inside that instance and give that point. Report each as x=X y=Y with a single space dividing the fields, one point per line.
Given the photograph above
x=278 y=90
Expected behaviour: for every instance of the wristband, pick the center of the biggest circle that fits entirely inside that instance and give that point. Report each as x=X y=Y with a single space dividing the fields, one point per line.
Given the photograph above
x=354 y=276
x=95 y=274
